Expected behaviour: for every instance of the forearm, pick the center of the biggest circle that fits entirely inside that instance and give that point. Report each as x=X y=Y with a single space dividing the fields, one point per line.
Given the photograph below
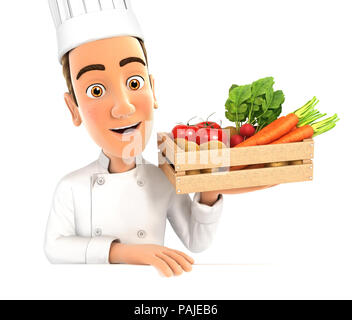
x=117 y=253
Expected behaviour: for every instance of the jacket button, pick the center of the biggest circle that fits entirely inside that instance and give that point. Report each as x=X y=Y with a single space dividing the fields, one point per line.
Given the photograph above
x=101 y=181
x=98 y=232
x=140 y=183
x=141 y=234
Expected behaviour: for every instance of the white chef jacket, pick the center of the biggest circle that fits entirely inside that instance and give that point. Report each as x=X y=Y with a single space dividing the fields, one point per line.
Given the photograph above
x=93 y=208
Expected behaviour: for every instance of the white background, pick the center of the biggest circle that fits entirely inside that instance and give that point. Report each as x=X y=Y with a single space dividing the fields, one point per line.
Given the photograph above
x=293 y=241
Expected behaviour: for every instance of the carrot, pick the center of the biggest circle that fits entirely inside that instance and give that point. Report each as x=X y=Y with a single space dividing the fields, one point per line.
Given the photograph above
x=315 y=115
x=309 y=131
x=252 y=141
x=274 y=124
x=283 y=125
x=248 y=142
x=272 y=132
x=297 y=135
x=278 y=131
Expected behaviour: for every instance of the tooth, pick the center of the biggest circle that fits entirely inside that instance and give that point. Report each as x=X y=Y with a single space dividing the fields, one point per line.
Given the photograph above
x=121 y=128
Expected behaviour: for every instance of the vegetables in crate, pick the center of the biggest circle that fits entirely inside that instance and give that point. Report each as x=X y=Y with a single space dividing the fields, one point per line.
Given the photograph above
x=282 y=126
x=252 y=107
x=247 y=130
x=188 y=146
x=185 y=132
x=295 y=127
x=206 y=134
x=209 y=124
x=235 y=140
x=309 y=131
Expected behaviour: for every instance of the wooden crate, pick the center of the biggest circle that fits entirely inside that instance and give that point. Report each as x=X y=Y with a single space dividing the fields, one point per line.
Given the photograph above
x=175 y=163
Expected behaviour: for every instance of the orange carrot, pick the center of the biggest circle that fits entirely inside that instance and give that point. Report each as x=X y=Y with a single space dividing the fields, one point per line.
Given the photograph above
x=309 y=131
x=297 y=135
x=273 y=125
x=272 y=132
x=278 y=131
x=282 y=126
x=252 y=141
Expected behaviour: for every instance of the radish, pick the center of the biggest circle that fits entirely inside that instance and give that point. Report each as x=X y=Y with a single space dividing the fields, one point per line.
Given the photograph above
x=247 y=130
x=235 y=140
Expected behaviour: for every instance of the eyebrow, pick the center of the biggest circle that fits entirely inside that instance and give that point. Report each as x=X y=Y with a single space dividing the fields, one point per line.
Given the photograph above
x=91 y=67
x=130 y=60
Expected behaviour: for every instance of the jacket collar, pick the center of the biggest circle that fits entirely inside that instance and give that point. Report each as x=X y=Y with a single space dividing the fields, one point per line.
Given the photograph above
x=104 y=161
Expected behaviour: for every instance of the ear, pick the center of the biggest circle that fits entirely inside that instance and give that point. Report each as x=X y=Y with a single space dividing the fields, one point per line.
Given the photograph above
x=71 y=104
x=152 y=83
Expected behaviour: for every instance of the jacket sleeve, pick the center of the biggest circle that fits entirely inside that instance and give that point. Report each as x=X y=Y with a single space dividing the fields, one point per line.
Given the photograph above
x=194 y=223
x=62 y=245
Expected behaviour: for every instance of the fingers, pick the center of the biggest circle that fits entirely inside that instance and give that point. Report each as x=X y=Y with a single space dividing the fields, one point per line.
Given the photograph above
x=171 y=262
x=245 y=190
x=174 y=266
x=188 y=258
x=185 y=264
x=251 y=189
x=264 y=187
x=162 y=267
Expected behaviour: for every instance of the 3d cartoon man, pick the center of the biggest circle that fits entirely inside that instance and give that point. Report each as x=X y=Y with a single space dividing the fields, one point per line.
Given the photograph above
x=115 y=209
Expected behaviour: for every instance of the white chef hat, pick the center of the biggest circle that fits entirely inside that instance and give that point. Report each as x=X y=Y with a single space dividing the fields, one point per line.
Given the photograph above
x=81 y=21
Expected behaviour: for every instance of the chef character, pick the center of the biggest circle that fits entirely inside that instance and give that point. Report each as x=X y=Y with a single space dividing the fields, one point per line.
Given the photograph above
x=115 y=209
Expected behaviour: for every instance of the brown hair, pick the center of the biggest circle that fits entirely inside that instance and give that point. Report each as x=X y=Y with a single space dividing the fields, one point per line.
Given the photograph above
x=67 y=73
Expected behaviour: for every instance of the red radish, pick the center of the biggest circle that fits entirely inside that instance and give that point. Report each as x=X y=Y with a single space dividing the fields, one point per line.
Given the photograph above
x=235 y=140
x=247 y=130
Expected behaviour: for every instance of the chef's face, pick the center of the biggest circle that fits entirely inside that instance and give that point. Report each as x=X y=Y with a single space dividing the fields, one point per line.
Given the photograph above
x=115 y=95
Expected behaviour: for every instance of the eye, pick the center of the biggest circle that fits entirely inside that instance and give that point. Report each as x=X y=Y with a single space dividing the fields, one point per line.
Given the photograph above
x=96 y=91
x=135 y=83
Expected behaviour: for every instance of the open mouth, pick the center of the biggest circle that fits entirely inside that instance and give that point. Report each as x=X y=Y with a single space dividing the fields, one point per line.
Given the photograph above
x=128 y=129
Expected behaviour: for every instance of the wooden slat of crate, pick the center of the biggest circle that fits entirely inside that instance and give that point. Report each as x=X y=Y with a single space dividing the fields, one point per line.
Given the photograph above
x=168 y=147
x=244 y=178
x=238 y=179
x=169 y=171
x=184 y=161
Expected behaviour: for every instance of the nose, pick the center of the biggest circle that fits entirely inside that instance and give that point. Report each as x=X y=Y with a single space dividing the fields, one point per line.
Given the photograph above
x=122 y=108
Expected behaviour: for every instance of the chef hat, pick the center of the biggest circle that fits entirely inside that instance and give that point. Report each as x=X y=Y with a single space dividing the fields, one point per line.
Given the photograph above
x=81 y=21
